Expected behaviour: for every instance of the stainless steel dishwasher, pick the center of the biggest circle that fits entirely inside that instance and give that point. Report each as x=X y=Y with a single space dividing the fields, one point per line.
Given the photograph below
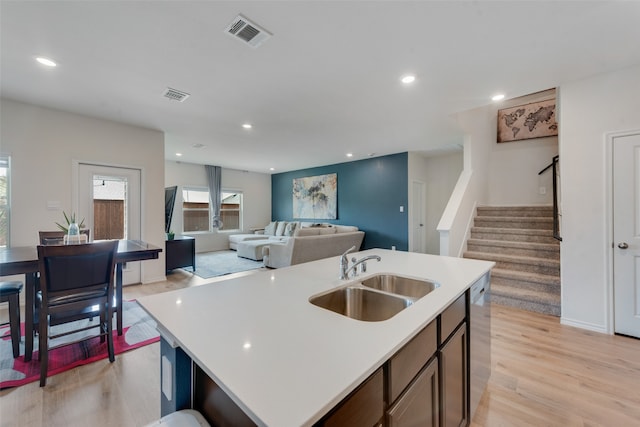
x=480 y=340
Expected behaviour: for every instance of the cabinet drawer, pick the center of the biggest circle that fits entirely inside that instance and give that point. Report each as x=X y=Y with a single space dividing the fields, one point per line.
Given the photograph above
x=452 y=316
x=408 y=361
x=363 y=407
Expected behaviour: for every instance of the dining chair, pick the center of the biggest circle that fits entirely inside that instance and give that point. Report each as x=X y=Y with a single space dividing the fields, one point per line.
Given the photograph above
x=74 y=280
x=10 y=293
x=57 y=237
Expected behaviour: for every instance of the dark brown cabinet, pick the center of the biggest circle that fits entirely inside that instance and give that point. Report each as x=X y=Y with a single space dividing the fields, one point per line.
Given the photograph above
x=419 y=405
x=453 y=379
x=180 y=253
x=364 y=407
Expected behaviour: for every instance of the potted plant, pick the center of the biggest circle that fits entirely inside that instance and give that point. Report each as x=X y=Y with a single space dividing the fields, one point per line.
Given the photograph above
x=170 y=235
x=72 y=227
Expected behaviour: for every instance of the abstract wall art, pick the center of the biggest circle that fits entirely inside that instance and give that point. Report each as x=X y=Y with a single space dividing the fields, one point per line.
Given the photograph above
x=315 y=197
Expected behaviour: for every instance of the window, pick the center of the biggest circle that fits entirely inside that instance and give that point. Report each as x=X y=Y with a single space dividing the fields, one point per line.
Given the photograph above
x=230 y=211
x=195 y=208
x=4 y=201
x=197 y=215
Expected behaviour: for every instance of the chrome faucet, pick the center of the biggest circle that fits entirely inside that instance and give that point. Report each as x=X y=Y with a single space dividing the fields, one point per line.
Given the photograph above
x=362 y=262
x=344 y=263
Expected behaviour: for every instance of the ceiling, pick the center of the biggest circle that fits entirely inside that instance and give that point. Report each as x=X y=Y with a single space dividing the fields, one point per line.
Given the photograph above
x=325 y=84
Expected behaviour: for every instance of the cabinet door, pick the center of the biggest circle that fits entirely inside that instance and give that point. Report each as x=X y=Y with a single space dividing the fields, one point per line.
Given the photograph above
x=453 y=379
x=418 y=406
x=364 y=407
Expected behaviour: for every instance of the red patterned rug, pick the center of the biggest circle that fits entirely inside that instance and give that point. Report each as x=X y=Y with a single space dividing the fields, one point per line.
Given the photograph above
x=138 y=330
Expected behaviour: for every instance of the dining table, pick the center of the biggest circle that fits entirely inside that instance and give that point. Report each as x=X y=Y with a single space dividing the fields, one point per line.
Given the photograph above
x=24 y=260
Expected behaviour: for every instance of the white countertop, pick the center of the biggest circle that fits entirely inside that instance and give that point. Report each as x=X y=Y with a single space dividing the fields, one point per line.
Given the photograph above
x=284 y=361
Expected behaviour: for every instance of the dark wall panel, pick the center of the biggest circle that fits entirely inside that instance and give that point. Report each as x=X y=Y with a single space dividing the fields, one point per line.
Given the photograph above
x=370 y=193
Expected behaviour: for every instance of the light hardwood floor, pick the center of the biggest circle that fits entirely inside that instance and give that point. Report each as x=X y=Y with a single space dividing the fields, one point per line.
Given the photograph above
x=544 y=374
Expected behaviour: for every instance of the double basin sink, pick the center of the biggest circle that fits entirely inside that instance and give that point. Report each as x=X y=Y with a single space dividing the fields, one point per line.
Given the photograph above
x=377 y=298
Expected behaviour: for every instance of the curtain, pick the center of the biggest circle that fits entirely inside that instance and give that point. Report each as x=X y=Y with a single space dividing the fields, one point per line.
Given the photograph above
x=214 y=174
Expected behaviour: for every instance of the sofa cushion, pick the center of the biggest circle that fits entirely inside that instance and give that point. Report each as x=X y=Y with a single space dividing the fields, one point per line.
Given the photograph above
x=345 y=228
x=307 y=231
x=327 y=230
x=280 y=228
x=270 y=230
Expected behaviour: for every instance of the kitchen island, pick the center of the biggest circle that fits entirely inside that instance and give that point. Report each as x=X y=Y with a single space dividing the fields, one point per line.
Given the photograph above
x=279 y=360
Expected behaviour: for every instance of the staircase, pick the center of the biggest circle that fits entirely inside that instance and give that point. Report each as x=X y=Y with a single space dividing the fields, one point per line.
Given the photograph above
x=520 y=241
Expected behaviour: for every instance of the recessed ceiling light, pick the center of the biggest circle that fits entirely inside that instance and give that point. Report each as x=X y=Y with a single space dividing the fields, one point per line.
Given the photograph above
x=408 y=79
x=178 y=154
x=349 y=154
x=46 y=61
x=498 y=97
x=272 y=169
x=247 y=125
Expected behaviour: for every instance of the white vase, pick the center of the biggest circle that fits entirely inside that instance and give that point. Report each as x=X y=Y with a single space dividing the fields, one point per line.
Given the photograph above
x=74 y=230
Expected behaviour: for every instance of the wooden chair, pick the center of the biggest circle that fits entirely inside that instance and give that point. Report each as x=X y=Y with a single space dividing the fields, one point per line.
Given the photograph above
x=73 y=280
x=10 y=292
x=57 y=237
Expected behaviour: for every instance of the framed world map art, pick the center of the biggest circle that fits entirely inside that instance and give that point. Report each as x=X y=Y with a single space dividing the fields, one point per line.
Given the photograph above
x=536 y=120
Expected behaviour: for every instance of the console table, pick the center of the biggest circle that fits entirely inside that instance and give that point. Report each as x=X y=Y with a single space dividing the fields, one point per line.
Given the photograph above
x=180 y=252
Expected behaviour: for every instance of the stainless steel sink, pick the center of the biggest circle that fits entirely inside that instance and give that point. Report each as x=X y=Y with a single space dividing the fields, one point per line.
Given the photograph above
x=361 y=303
x=399 y=285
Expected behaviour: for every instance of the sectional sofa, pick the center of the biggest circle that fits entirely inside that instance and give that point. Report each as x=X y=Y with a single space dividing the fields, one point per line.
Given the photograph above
x=285 y=243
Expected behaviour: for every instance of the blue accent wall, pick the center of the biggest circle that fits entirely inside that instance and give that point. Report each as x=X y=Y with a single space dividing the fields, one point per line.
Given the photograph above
x=370 y=193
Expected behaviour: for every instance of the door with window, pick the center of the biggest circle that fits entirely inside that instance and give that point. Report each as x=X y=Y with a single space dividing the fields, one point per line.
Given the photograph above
x=109 y=200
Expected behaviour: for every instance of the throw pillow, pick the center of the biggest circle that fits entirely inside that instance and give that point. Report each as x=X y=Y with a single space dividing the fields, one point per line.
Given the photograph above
x=290 y=229
x=280 y=229
x=270 y=230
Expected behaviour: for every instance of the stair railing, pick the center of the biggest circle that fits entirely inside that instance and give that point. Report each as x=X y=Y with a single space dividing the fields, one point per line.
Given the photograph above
x=556 y=214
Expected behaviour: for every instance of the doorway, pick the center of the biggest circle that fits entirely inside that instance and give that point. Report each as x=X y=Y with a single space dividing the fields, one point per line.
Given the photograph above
x=417 y=237
x=109 y=198
x=626 y=233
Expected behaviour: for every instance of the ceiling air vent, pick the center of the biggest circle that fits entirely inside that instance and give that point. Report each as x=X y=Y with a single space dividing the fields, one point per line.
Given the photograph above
x=245 y=30
x=176 y=95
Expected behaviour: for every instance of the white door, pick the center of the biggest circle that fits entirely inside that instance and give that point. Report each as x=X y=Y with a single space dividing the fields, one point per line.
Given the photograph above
x=119 y=189
x=626 y=234
x=417 y=219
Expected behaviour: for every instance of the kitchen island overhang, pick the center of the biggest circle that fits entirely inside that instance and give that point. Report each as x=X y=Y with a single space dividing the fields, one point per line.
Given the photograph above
x=282 y=360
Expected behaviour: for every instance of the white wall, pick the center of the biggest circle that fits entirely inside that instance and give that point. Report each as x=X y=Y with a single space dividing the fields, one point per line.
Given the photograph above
x=255 y=187
x=43 y=143
x=589 y=109
x=443 y=173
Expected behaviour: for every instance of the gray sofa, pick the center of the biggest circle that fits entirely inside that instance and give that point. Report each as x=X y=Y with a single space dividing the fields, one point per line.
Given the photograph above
x=310 y=244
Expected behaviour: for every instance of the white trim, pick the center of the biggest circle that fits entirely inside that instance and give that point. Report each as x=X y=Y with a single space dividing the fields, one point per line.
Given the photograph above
x=584 y=325
x=467 y=232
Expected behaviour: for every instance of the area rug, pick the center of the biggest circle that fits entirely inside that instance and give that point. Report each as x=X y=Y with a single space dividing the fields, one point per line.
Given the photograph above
x=219 y=263
x=138 y=330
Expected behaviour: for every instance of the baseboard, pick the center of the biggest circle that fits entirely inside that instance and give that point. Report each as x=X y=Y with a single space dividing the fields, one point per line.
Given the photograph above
x=584 y=325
